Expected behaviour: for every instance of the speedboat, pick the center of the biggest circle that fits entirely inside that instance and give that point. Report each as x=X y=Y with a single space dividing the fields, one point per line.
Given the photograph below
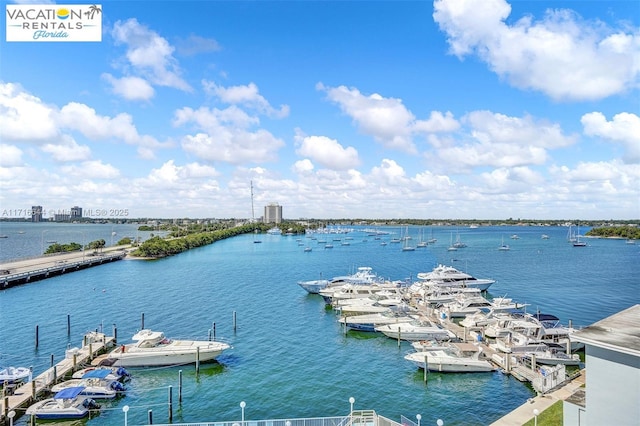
x=553 y=355
x=152 y=348
x=453 y=277
x=115 y=373
x=66 y=404
x=313 y=286
x=422 y=329
x=456 y=359
x=12 y=375
x=95 y=384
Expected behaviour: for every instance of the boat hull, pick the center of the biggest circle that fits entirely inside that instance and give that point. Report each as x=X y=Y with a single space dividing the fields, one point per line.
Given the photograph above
x=161 y=358
x=447 y=365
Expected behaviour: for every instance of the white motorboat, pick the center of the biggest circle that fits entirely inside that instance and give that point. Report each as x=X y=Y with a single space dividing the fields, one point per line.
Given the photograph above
x=532 y=332
x=451 y=276
x=552 y=356
x=469 y=304
x=456 y=359
x=95 y=383
x=66 y=404
x=369 y=322
x=355 y=291
x=421 y=329
x=430 y=345
x=152 y=348
x=115 y=373
x=313 y=286
x=12 y=375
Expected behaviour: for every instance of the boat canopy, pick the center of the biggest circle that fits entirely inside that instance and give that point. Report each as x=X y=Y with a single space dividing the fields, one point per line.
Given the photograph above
x=69 y=393
x=99 y=373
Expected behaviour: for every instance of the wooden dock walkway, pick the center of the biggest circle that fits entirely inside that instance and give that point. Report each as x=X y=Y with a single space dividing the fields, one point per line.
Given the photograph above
x=18 y=399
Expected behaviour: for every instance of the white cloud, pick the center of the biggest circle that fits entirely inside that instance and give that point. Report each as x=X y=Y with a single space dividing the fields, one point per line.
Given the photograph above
x=195 y=44
x=390 y=173
x=227 y=138
x=95 y=169
x=130 y=88
x=623 y=129
x=561 y=55
x=67 y=150
x=10 y=156
x=246 y=95
x=149 y=54
x=24 y=117
x=328 y=152
x=498 y=140
x=303 y=167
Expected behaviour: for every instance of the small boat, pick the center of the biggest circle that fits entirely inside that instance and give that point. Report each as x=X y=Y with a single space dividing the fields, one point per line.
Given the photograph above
x=553 y=357
x=66 y=404
x=4 y=236
x=95 y=384
x=115 y=373
x=328 y=246
x=152 y=348
x=307 y=249
x=12 y=375
x=545 y=237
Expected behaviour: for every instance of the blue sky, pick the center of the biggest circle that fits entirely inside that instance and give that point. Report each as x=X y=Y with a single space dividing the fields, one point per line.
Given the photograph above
x=475 y=109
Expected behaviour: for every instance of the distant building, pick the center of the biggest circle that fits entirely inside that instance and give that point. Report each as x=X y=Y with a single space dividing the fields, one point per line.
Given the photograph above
x=76 y=212
x=273 y=213
x=61 y=217
x=36 y=213
x=612 y=359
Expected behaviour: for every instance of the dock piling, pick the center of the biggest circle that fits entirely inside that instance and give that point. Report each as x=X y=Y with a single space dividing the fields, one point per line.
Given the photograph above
x=170 y=404
x=150 y=416
x=234 y=321
x=180 y=386
x=37 y=333
x=142 y=322
x=68 y=325
x=198 y=360
x=51 y=365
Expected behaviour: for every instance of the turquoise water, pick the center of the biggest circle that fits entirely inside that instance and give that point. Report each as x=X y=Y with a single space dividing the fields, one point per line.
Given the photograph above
x=290 y=358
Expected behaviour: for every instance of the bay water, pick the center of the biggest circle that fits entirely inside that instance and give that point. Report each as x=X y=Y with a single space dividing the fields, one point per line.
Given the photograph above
x=290 y=358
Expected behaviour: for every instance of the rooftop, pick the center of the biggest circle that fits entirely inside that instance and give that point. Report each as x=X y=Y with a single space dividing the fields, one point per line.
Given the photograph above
x=619 y=332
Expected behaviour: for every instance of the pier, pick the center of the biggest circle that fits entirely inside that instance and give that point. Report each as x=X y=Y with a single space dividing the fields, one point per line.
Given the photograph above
x=23 y=271
x=17 y=398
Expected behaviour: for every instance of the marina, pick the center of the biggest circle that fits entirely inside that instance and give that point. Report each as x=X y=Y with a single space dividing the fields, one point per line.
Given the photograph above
x=291 y=358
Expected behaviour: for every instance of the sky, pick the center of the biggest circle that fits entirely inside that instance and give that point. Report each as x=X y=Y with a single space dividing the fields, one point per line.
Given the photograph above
x=445 y=109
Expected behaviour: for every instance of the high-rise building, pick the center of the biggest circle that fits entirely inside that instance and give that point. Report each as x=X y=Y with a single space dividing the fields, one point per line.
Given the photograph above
x=76 y=212
x=36 y=213
x=273 y=213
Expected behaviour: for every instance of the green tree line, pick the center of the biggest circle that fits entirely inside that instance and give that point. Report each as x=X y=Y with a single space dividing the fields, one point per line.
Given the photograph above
x=627 y=232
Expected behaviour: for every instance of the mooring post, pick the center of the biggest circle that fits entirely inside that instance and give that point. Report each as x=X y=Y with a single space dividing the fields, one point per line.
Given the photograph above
x=150 y=415
x=37 y=331
x=198 y=360
x=398 y=336
x=180 y=386
x=234 y=321
x=75 y=360
x=55 y=374
x=142 y=322
x=68 y=325
x=115 y=334
x=33 y=390
x=170 y=404
x=51 y=361
x=214 y=330
x=6 y=406
x=426 y=368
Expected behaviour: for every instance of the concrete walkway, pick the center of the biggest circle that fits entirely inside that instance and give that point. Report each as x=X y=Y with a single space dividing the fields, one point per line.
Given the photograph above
x=524 y=413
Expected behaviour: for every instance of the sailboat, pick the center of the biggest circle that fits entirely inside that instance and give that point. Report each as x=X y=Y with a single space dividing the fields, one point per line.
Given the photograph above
x=503 y=246
x=452 y=246
x=405 y=242
x=577 y=242
x=421 y=242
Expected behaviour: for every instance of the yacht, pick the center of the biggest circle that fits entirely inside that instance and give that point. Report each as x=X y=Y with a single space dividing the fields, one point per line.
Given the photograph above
x=152 y=348
x=458 y=358
x=95 y=383
x=416 y=330
x=369 y=322
x=451 y=276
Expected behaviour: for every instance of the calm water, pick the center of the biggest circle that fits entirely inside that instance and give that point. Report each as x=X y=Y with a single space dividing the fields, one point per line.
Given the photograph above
x=290 y=358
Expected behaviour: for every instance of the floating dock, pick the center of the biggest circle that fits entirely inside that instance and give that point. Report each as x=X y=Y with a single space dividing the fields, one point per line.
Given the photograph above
x=38 y=268
x=19 y=398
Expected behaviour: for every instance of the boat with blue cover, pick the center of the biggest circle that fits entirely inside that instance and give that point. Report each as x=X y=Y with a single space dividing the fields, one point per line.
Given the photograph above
x=66 y=404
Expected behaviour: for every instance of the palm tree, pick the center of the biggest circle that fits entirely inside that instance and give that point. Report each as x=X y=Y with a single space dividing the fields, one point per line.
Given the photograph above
x=93 y=9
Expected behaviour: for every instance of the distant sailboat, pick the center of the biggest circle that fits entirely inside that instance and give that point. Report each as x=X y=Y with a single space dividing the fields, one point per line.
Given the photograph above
x=503 y=246
x=452 y=246
x=405 y=239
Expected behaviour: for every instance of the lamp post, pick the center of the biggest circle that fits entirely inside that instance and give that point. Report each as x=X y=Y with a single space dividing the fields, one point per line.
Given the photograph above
x=419 y=417
x=351 y=401
x=125 y=409
x=535 y=416
x=242 y=405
